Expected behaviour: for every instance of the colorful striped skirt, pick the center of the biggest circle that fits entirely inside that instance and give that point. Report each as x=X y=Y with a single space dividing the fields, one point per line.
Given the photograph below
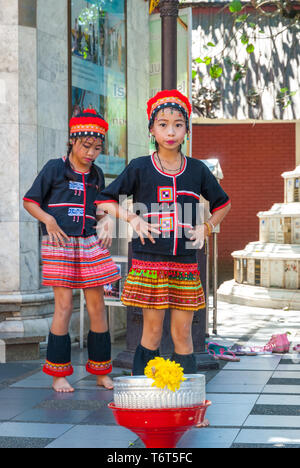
x=80 y=264
x=154 y=282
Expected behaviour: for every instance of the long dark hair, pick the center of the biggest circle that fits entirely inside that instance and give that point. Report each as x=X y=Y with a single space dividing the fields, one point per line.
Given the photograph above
x=70 y=174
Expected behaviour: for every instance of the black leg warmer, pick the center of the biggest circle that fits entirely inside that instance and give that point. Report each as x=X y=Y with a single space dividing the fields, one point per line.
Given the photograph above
x=58 y=361
x=141 y=358
x=99 y=352
x=187 y=362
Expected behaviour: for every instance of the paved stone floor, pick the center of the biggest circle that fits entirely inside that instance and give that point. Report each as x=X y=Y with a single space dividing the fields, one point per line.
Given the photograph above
x=255 y=403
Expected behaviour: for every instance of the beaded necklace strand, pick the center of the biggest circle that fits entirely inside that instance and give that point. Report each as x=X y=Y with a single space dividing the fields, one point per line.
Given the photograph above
x=170 y=170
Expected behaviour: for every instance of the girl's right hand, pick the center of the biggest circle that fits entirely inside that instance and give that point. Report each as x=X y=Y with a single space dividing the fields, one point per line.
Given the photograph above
x=55 y=233
x=143 y=229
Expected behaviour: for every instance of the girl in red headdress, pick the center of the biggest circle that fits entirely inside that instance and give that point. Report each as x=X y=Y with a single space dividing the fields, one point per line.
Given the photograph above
x=74 y=257
x=166 y=188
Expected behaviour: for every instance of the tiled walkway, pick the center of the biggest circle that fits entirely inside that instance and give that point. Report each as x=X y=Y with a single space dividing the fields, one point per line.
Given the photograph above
x=255 y=403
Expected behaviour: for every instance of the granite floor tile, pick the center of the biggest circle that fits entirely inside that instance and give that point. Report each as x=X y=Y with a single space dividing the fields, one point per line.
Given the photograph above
x=282 y=389
x=42 y=380
x=289 y=367
x=53 y=416
x=229 y=409
x=238 y=381
x=241 y=377
x=277 y=410
x=232 y=398
x=208 y=438
x=228 y=415
x=279 y=400
x=286 y=375
x=273 y=421
x=283 y=381
x=23 y=394
x=37 y=430
x=97 y=394
x=234 y=388
x=268 y=436
x=293 y=360
x=12 y=370
x=257 y=363
x=101 y=417
x=265 y=446
x=71 y=405
x=7 y=413
x=24 y=442
x=95 y=437
x=15 y=401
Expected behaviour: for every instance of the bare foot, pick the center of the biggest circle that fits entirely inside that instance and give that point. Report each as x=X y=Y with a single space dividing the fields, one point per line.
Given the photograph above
x=204 y=423
x=105 y=381
x=61 y=385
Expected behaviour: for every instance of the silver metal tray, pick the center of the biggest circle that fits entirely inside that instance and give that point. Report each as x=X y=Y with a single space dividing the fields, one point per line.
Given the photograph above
x=137 y=392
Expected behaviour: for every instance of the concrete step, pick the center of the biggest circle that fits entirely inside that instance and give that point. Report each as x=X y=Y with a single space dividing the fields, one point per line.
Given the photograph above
x=19 y=347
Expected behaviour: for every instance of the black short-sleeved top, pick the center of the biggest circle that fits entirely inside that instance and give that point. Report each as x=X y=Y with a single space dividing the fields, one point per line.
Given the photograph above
x=169 y=200
x=71 y=202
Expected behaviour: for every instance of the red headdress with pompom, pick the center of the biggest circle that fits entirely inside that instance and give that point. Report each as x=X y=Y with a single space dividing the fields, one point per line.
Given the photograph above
x=88 y=123
x=168 y=98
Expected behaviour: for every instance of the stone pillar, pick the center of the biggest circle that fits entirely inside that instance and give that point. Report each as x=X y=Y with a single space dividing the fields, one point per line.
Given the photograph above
x=137 y=78
x=33 y=129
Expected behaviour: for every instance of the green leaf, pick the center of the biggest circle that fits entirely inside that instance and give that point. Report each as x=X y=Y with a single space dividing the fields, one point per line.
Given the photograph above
x=241 y=18
x=252 y=25
x=194 y=74
x=237 y=76
x=250 y=48
x=292 y=93
x=210 y=44
x=206 y=60
x=244 y=39
x=215 y=71
x=287 y=104
x=235 y=6
x=284 y=90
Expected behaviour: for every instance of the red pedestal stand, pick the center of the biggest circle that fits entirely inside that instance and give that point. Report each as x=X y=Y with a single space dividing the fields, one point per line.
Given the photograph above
x=161 y=427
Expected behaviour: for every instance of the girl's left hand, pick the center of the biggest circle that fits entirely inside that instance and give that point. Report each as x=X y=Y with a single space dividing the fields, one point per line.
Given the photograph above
x=198 y=235
x=105 y=230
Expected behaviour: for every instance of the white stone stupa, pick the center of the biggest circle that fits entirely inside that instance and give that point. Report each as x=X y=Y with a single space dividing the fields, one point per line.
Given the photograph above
x=267 y=272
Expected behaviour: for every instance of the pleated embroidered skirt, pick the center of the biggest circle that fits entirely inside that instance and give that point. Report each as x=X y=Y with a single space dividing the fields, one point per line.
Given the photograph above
x=80 y=264
x=158 y=282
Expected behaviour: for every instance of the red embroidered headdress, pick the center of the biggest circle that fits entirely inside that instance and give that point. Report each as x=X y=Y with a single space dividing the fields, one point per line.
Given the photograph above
x=88 y=123
x=169 y=98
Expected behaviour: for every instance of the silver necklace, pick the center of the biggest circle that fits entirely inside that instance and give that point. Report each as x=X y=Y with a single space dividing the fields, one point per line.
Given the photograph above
x=170 y=170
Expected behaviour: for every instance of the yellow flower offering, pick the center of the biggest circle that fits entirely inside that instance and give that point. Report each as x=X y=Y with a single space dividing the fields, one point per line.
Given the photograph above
x=165 y=373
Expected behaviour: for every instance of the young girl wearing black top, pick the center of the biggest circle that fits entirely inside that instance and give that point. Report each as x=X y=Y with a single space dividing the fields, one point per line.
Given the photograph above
x=62 y=198
x=166 y=188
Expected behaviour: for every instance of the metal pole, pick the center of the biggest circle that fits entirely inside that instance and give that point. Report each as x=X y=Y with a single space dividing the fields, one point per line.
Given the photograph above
x=169 y=15
x=207 y=285
x=215 y=281
x=81 y=324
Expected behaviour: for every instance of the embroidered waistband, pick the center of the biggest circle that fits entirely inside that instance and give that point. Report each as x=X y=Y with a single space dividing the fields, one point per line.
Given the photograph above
x=164 y=266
